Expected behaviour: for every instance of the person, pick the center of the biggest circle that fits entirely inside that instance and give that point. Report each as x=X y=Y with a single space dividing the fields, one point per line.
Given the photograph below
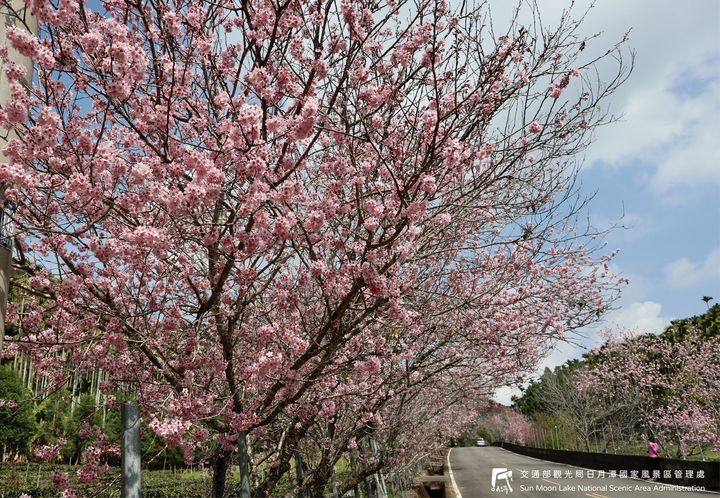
x=653 y=450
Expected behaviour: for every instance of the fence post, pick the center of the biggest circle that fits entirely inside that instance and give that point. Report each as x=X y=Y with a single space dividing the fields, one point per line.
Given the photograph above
x=130 y=449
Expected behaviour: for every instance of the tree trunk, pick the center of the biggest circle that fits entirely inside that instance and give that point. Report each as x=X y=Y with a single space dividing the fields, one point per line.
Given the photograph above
x=316 y=482
x=220 y=467
x=274 y=475
x=299 y=478
x=359 y=479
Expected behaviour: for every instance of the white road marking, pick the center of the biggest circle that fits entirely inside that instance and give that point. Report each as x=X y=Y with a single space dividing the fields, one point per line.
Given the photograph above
x=456 y=491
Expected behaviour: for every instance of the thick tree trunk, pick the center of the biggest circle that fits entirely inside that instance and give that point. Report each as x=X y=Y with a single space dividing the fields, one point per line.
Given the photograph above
x=271 y=479
x=282 y=464
x=316 y=482
x=359 y=479
x=220 y=467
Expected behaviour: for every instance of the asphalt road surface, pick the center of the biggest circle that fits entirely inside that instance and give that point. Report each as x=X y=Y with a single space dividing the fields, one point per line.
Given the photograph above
x=472 y=470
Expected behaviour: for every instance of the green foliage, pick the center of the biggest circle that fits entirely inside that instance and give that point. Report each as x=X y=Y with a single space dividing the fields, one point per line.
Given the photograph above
x=58 y=419
x=463 y=440
x=166 y=484
x=153 y=447
x=55 y=418
x=471 y=439
x=53 y=415
x=530 y=402
x=708 y=323
x=551 y=431
x=485 y=434
x=17 y=424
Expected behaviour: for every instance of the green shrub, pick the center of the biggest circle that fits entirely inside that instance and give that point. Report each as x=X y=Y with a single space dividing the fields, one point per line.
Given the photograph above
x=17 y=423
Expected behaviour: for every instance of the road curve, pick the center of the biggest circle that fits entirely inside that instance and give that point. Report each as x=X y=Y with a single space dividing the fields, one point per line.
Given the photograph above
x=472 y=470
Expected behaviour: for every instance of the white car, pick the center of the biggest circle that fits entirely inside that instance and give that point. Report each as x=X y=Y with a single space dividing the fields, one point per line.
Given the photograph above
x=480 y=442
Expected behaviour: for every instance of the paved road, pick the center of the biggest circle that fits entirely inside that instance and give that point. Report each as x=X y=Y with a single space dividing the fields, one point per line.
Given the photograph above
x=472 y=471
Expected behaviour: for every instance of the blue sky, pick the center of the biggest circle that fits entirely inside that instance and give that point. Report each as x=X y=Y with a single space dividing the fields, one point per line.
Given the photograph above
x=659 y=166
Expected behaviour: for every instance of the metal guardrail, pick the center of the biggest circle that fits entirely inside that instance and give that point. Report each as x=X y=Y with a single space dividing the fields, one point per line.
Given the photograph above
x=673 y=471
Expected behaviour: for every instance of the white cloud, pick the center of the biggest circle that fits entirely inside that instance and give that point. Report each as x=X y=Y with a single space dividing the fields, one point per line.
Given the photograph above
x=639 y=317
x=683 y=273
x=504 y=394
x=670 y=132
x=670 y=103
x=693 y=158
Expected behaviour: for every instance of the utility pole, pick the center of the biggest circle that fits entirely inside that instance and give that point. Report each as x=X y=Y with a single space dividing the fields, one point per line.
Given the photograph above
x=14 y=16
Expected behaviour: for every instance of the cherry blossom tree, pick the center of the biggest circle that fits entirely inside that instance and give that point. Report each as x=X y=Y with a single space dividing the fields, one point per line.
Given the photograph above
x=507 y=425
x=678 y=394
x=285 y=224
